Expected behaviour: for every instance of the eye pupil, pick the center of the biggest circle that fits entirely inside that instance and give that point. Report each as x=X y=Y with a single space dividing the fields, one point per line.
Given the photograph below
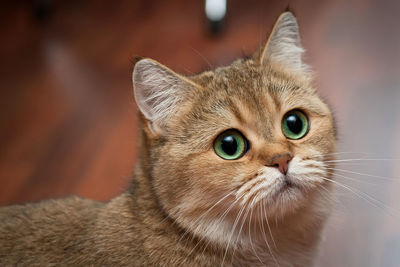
x=294 y=124
x=229 y=145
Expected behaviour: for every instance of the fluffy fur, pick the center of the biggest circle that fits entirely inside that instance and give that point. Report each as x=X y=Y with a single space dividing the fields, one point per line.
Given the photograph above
x=186 y=205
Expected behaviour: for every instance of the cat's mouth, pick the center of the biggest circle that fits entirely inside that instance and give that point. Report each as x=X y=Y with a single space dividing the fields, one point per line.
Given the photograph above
x=287 y=186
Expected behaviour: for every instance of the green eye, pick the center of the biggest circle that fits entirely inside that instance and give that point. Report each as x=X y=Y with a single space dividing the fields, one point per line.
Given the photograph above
x=230 y=145
x=295 y=124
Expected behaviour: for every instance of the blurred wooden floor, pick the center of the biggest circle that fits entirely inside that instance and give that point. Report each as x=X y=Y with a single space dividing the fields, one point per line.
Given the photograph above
x=68 y=119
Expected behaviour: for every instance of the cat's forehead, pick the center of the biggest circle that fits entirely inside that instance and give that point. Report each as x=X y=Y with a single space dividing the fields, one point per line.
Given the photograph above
x=248 y=78
x=246 y=84
x=239 y=73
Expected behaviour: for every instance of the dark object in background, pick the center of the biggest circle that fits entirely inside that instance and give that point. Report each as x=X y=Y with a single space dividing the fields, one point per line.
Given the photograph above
x=215 y=13
x=42 y=10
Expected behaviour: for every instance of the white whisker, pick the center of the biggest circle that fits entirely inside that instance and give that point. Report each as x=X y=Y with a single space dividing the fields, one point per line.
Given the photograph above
x=373 y=201
x=364 y=174
x=353 y=179
x=269 y=228
x=231 y=235
x=251 y=242
x=261 y=218
x=240 y=230
x=359 y=159
x=205 y=213
x=220 y=220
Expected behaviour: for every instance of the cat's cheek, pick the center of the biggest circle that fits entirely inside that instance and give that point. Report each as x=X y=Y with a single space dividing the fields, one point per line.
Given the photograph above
x=209 y=176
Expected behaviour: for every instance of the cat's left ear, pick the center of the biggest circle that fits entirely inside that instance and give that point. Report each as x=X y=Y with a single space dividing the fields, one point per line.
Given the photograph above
x=283 y=45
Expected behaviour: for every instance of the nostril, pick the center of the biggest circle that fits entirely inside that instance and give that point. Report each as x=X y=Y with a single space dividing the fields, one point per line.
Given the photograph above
x=281 y=162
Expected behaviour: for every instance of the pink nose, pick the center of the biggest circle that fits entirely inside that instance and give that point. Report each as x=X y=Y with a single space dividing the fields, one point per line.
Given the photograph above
x=281 y=162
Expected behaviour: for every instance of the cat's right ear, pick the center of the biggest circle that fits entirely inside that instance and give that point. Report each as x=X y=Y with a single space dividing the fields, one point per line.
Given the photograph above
x=159 y=92
x=284 y=46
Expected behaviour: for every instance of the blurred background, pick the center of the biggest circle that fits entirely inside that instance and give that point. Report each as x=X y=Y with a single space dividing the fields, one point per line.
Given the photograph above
x=68 y=120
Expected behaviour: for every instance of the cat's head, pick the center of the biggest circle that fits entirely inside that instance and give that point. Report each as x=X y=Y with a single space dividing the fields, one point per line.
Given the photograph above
x=250 y=135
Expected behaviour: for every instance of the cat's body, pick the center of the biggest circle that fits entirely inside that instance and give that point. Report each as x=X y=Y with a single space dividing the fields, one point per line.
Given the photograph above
x=191 y=203
x=129 y=231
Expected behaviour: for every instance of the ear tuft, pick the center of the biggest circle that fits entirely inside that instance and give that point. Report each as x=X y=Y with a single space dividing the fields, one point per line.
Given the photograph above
x=158 y=91
x=284 y=46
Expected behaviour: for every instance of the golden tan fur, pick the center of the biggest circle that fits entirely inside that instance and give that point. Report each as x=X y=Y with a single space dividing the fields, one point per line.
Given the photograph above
x=187 y=206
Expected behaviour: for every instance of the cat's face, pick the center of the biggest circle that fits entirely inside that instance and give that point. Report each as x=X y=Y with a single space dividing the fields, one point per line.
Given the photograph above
x=230 y=141
x=250 y=103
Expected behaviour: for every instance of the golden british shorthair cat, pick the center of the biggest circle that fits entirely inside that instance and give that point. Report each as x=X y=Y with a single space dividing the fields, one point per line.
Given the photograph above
x=233 y=171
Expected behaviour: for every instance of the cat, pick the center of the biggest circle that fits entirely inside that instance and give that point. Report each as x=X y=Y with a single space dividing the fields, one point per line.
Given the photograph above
x=233 y=171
